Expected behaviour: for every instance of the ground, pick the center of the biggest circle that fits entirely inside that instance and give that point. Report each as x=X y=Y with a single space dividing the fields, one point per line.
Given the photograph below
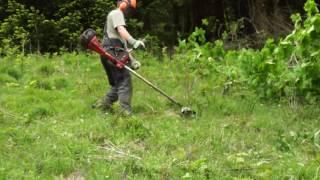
x=49 y=130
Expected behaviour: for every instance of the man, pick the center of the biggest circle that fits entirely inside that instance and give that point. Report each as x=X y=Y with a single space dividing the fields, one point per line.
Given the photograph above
x=116 y=35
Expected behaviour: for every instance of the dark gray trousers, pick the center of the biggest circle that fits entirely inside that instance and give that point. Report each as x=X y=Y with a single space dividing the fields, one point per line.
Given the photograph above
x=122 y=91
x=121 y=85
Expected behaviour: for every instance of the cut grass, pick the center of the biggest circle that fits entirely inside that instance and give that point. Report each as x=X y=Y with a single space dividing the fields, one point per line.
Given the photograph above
x=48 y=129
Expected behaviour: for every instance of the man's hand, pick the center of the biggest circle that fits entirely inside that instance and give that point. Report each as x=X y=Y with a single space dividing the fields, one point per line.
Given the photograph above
x=139 y=43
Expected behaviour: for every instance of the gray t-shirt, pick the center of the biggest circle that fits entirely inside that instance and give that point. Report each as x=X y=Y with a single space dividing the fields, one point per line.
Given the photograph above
x=114 y=19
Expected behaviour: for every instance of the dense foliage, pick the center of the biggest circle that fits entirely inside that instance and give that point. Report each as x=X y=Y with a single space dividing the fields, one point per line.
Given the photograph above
x=48 y=26
x=289 y=67
x=285 y=67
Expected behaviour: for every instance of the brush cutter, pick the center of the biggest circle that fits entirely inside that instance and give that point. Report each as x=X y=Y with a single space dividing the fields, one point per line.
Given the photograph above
x=89 y=40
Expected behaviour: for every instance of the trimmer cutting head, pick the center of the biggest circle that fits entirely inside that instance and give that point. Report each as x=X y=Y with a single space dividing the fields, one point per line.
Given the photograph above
x=187 y=112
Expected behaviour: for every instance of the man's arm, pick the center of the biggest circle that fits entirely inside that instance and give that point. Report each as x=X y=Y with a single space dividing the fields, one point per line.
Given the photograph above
x=124 y=34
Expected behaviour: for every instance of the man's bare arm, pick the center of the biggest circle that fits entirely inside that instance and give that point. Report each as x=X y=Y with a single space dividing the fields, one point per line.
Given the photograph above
x=124 y=34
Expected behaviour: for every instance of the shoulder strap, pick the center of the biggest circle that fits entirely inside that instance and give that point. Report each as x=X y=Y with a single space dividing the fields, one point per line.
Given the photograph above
x=105 y=29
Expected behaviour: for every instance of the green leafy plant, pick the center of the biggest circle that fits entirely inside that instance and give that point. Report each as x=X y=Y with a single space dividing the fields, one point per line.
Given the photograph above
x=286 y=68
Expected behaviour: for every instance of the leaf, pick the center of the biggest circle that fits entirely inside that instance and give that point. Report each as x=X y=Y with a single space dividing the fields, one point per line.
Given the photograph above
x=240 y=160
x=303 y=65
x=205 y=22
x=33 y=82
x=263 y=162
x=270 y=62
x=316 y=139
x=311 y=29
x=12 y=84
x=311 y=7
x=314 y=53
x=186 y=176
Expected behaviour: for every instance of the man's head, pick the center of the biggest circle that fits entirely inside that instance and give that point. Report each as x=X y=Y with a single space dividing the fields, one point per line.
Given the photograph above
x=127 y=6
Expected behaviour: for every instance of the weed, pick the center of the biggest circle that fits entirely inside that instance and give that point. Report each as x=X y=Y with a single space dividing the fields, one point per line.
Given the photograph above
x=5 y=78
x=60 y=83
x=44 y=84
x=39 y=112
x=134 y=128
x=46 y=69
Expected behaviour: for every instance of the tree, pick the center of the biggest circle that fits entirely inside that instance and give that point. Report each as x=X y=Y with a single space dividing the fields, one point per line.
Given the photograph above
x=50 y=25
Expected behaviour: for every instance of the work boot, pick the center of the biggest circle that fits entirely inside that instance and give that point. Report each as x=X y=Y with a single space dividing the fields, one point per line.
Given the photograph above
x=126 y=113
x=103 y=105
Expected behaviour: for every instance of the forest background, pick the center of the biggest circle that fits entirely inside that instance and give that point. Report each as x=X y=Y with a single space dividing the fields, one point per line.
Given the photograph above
x=49 y=26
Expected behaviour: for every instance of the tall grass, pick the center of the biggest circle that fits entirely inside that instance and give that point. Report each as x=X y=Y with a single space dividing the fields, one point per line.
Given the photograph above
x=49 y=131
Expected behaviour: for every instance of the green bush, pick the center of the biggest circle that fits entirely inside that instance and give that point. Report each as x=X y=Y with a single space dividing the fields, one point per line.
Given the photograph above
x=286 y=68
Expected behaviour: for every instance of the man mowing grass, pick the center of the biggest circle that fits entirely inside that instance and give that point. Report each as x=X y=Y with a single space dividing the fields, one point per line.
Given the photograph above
x=116 y=37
